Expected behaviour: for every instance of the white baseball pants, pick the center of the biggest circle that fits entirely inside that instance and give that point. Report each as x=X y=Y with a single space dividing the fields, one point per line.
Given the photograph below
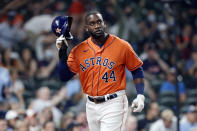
x=108 y=116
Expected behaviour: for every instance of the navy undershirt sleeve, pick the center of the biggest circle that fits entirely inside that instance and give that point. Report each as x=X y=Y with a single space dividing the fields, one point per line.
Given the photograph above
x=138 y=73
x=64 y=73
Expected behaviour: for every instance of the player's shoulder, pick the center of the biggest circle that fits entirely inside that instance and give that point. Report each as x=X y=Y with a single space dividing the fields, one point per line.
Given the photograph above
x=121 y=42
x=80 y=46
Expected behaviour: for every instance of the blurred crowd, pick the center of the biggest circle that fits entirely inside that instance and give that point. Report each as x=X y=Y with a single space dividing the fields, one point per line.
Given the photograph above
x=163 y=33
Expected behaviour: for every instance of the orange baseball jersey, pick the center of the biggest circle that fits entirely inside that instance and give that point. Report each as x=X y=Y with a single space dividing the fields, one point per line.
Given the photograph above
x=102 y=70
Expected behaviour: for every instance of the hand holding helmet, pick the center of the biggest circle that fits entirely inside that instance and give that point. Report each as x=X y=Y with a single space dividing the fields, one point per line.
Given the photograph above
x=60 y=41
x=61 y=28
x=61 y=25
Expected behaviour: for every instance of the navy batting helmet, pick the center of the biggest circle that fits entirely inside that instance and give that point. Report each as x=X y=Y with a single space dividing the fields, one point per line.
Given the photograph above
x=61 y=26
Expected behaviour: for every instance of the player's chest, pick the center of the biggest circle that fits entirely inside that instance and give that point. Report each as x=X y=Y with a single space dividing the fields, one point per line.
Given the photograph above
x=91 y=59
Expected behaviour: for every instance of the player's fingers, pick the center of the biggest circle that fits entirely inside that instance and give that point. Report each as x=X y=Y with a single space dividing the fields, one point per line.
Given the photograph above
x=131 y=109
x=59 y=45
x=65 y=42
x=134 y=103
x=60 y=41
x=62 y=37
x=139 y=108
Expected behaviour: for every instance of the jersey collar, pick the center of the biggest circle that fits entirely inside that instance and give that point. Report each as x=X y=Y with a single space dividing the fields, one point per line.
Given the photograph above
x=97 y=48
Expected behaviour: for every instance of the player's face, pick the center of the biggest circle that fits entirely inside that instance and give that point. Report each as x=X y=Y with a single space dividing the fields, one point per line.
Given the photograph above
x=95 y=25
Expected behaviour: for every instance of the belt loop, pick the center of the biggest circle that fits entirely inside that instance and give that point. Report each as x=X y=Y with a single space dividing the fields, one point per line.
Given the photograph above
x=108 y=96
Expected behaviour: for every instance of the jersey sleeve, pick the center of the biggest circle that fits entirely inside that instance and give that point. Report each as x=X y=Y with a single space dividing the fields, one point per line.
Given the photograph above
x=72 y=62
x=132 y=61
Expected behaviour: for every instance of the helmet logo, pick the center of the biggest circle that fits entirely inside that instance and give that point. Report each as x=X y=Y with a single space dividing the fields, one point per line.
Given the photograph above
x=58 y=30
x=57 y=22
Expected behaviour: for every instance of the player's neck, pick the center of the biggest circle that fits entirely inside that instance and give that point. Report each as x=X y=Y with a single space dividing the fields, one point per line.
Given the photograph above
x=101 y=40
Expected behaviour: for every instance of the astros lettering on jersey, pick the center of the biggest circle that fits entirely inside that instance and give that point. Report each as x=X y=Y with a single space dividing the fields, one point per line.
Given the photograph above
x=102 y=70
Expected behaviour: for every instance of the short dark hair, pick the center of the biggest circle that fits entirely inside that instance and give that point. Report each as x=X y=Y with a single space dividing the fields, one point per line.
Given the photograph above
x=90 y=13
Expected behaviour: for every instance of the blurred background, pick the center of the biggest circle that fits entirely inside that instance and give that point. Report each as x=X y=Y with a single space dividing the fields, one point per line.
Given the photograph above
x=163 y=33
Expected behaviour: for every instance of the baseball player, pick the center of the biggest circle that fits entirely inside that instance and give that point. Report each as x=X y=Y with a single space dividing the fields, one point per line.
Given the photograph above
x=100 y=62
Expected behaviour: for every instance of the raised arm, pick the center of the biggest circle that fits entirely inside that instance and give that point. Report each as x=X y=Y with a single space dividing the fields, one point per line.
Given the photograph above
x=61 y=26
x=64 y=73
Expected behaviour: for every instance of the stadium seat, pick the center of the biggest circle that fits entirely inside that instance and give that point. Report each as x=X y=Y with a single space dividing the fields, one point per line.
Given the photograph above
x=28 y=96
x=166 y=94
x=191 y=100
x=192 y=93
x=162 y=107
x=183 y=109
x=168 y=101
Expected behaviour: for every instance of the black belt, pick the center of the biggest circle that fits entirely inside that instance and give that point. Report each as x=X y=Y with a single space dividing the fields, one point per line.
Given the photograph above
x=102 y=98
